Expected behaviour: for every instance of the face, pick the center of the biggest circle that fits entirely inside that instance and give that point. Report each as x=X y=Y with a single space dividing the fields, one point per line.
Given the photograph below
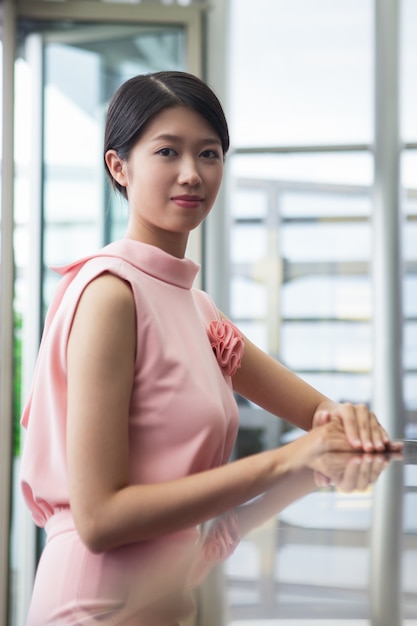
x=172 y=176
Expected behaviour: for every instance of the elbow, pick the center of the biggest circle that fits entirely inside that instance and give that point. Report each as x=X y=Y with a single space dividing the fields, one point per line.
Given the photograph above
x=94 y=543
x=93 y=532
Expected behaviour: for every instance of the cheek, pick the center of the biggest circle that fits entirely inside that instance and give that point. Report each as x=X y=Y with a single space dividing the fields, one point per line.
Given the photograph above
x=216 y=182
x=142 y=177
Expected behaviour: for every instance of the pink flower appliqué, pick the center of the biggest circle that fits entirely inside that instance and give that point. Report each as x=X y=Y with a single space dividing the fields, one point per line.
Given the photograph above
x=227 y=344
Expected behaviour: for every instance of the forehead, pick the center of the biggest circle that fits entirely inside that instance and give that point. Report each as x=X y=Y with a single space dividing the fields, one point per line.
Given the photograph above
x=180 y=122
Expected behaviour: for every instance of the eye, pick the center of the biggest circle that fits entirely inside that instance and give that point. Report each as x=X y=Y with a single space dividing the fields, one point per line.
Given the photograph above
x=210 y=154
x=166 y=152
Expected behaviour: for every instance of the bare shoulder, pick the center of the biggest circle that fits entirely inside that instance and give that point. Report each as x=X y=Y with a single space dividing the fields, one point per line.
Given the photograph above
x=108 y=293
x=106 y=310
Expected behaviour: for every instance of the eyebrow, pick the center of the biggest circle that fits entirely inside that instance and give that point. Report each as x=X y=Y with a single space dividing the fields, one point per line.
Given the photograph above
x=170 y=137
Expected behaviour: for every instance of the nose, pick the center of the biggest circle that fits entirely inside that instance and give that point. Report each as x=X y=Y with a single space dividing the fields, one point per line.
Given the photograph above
x=189 y=173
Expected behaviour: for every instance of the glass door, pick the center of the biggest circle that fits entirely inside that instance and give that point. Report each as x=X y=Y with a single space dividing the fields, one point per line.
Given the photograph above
x=82 y=69
x=67 y=71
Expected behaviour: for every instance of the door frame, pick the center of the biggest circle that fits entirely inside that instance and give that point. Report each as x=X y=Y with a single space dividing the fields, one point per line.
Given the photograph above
x=193 y=19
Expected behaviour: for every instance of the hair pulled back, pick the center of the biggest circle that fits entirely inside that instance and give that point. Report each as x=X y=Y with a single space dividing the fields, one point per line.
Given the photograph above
x=141 y=98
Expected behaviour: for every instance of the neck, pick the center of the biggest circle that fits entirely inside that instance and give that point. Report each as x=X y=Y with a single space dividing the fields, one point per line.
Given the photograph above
x=174 y=244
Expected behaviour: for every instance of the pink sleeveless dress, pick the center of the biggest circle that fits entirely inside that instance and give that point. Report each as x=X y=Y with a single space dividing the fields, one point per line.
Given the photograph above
x=183 y=420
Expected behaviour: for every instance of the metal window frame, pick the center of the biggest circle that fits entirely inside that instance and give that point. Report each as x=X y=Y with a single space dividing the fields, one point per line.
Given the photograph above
x=189 y=16
x=6 y=300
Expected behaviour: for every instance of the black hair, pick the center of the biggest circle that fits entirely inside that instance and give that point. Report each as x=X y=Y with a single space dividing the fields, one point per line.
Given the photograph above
x=141 y=98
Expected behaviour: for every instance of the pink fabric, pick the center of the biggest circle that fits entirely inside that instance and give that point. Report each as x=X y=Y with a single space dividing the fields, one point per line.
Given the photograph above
x=183 y=416
x=227 y=344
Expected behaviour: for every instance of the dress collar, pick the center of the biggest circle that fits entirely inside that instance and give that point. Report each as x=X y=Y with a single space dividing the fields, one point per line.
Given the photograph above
x=148 y=259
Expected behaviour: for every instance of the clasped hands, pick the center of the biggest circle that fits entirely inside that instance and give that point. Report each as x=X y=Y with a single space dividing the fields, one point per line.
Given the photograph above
x=363 y=431
x=371 y=448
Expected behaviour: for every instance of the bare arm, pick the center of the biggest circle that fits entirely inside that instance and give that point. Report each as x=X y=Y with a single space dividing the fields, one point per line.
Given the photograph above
x=270 y=385
x=108 y=511
x=266 y=382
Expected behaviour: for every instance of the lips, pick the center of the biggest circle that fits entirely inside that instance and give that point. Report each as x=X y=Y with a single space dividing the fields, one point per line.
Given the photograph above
x=188 y=201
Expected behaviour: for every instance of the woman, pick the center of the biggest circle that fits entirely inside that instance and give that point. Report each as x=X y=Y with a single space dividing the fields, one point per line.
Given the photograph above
x=132 y=418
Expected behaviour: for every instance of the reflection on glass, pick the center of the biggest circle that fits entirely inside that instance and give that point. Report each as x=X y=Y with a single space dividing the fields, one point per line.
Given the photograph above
x=313 y=560
x=299 y=547
x=305 y=547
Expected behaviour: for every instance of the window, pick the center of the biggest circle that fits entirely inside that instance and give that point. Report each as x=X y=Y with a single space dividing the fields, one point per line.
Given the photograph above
x=301 y=168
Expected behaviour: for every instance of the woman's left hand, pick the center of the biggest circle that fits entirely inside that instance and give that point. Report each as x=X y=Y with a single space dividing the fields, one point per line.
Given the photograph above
x=362 y=428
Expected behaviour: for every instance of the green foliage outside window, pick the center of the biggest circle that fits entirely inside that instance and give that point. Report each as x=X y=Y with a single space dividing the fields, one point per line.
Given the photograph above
x=17 y=381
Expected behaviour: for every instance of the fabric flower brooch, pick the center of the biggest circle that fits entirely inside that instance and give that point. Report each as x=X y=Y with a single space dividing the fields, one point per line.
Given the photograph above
x=227 y=344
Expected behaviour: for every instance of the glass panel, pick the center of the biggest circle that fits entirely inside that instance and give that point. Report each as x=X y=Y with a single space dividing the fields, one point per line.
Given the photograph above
x=342 y=385
x=410 y=383
x=410 y=345
x=409 y=172
x=248 y=298
x=303 y=69
x=249 y=203
x=318 y=241
x=300 y=266
x=328 y=296
x=249 y=243
x=84 y=65
x=409 y=178
x=409 y=70
x=350 y=168
x=331 y=345
x=79 y=212
x=321 y=205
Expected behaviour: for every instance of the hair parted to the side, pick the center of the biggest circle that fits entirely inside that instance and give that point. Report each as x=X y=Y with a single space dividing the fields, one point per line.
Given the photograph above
x=141 y=98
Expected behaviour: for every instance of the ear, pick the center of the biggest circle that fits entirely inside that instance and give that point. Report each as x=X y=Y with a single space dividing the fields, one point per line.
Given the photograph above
x=117 y=167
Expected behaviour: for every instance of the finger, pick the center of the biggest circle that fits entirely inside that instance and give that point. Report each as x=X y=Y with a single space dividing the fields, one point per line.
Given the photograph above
x=335 y=436
x=369 y=429
x=378 y=434
x=395 y=446
x=320 y=418
x=349 y=416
